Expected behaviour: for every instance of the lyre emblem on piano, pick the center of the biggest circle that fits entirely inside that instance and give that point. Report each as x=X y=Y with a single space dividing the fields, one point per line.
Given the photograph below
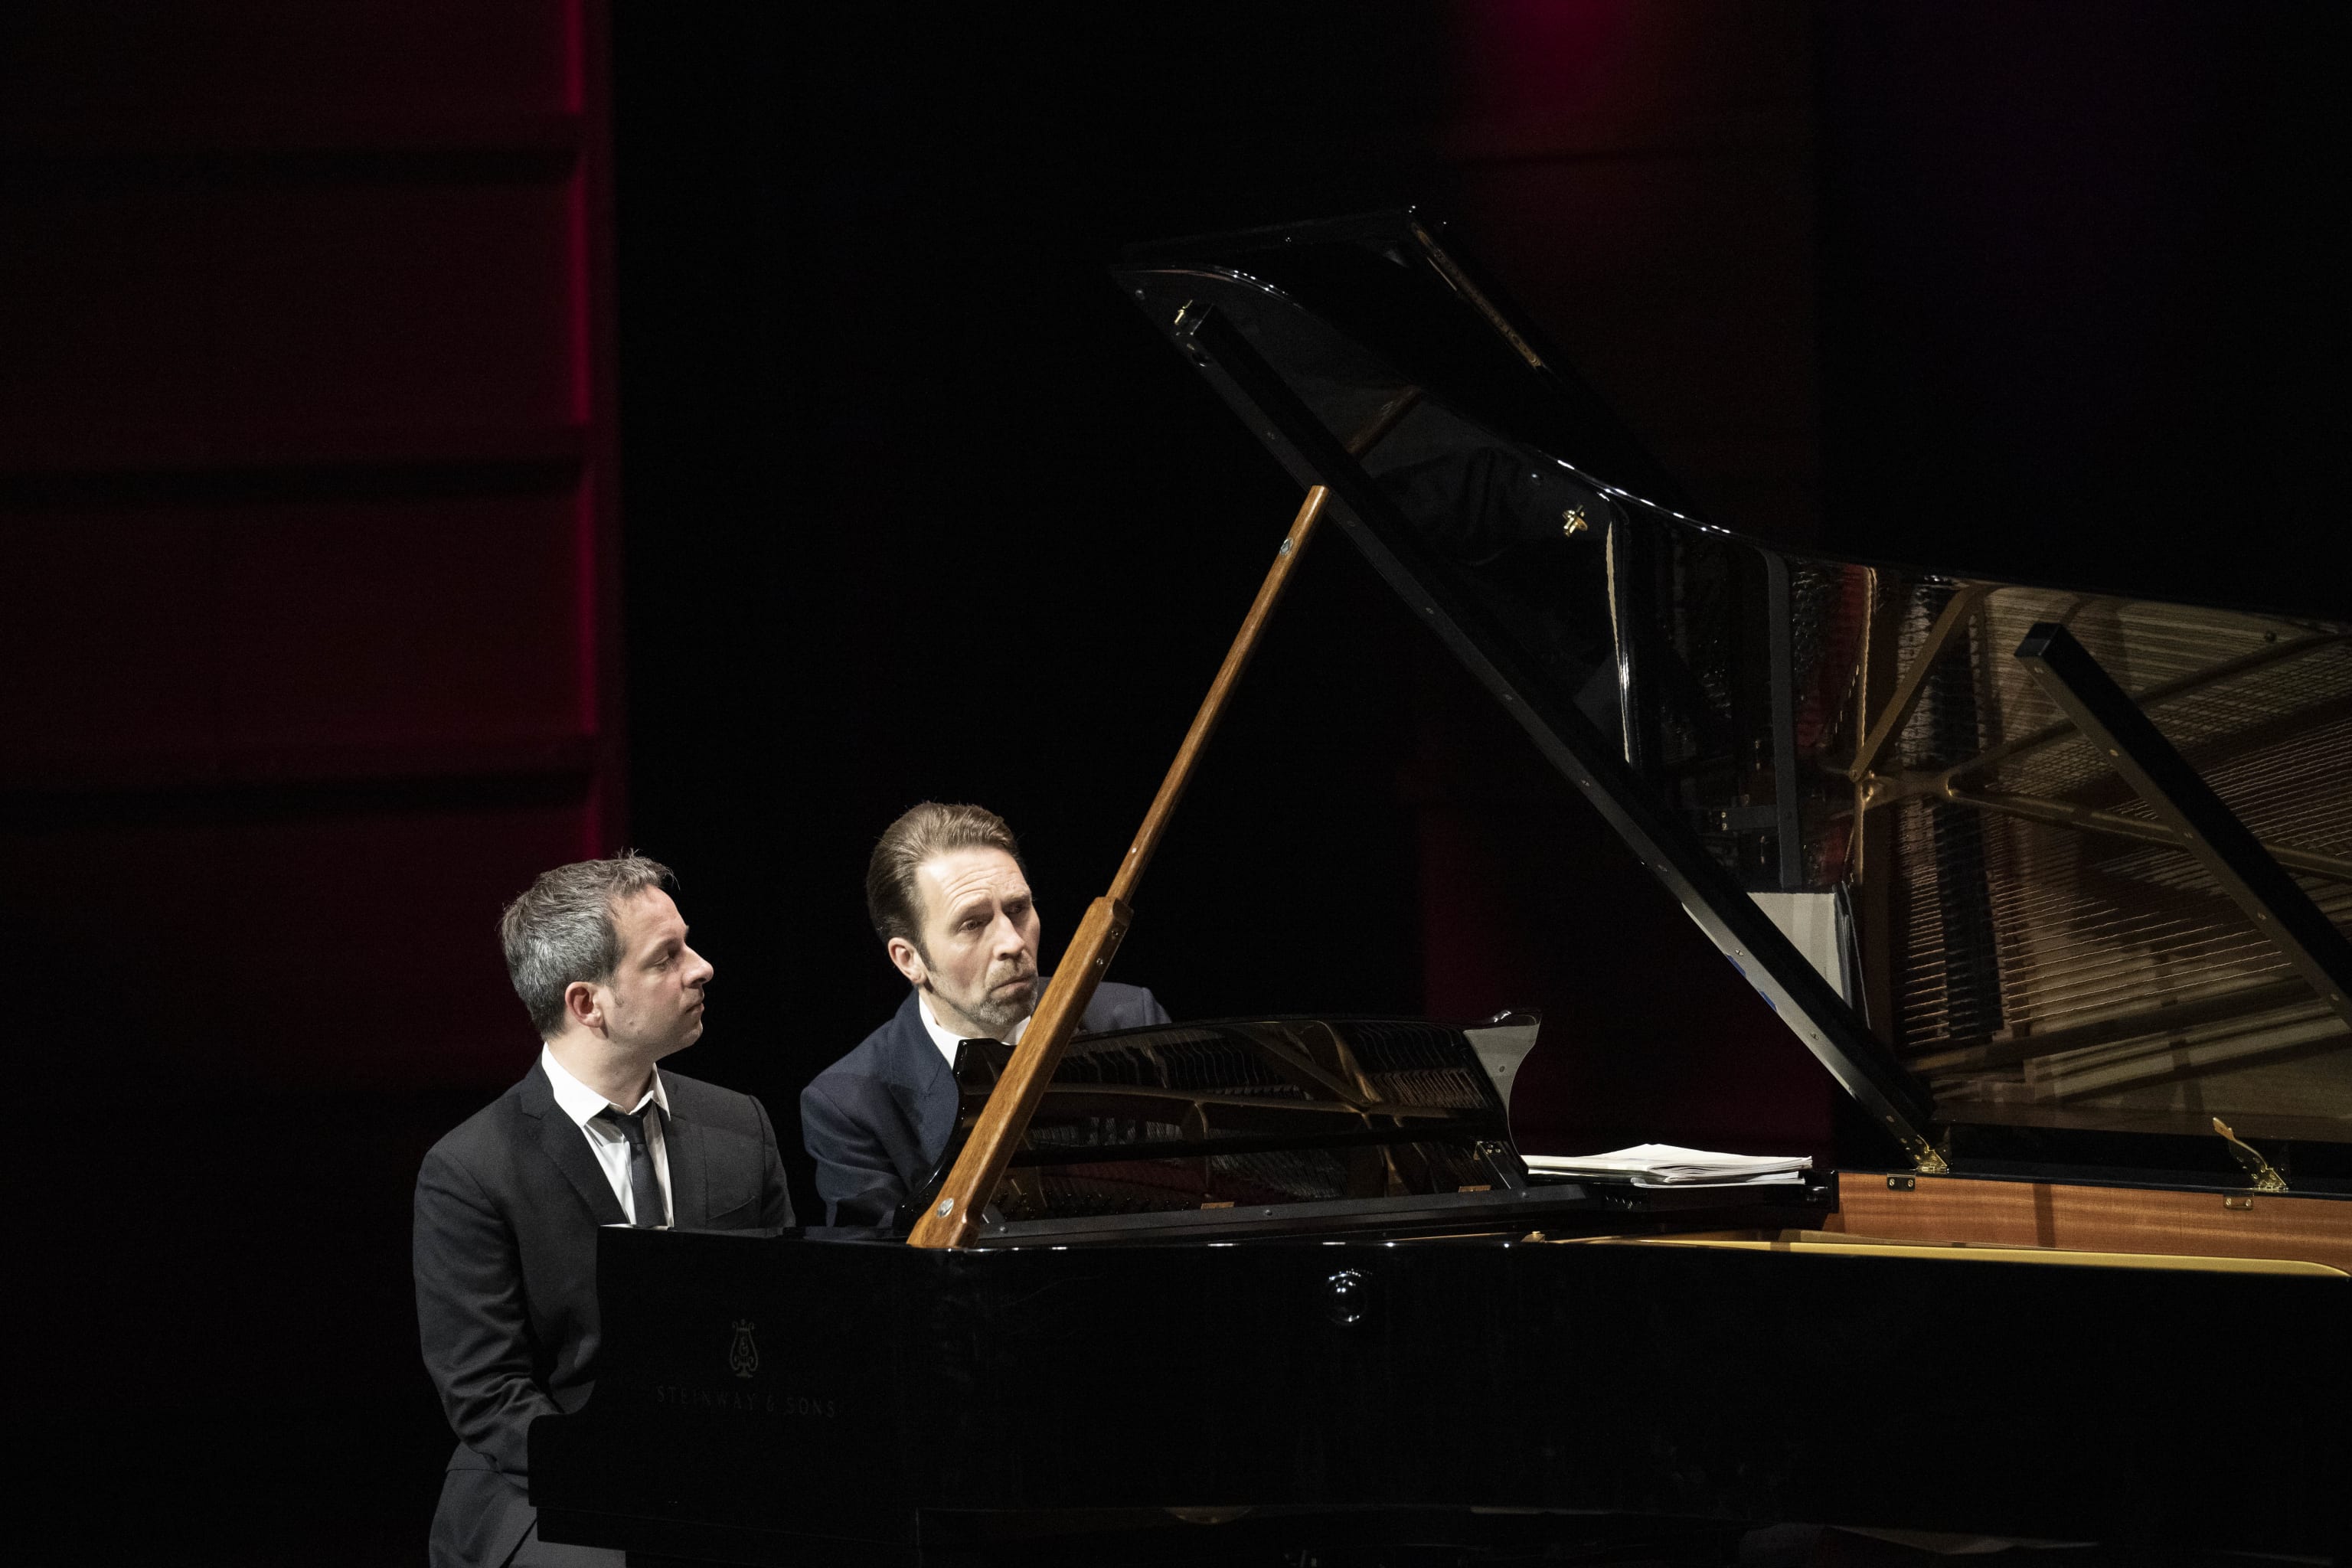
x=744 y=1354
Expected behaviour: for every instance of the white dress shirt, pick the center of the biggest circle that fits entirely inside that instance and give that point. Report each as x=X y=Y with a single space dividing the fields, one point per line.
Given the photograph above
x=608 y=1142
x=947 y=1040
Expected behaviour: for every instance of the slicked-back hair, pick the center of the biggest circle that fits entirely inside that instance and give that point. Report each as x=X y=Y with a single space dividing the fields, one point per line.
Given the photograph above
x=562 y=930
x=924 y=833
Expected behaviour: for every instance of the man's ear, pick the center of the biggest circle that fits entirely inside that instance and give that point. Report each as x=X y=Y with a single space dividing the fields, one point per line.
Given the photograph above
x=581 y=1005
x=908 y=961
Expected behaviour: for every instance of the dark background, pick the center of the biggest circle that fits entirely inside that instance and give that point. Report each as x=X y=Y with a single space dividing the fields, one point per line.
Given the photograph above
x=437 y=441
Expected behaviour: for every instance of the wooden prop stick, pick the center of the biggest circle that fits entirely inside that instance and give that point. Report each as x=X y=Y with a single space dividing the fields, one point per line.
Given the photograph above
x=954 y=1217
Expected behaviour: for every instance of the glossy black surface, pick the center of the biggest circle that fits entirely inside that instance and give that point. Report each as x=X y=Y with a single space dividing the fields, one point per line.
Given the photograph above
x=1526 y=662
x=1243 y=1116
x=2028 y=948
x=892 y=1386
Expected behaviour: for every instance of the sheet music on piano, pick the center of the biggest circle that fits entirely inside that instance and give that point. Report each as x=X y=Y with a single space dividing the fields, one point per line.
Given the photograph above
x=1670 y=1165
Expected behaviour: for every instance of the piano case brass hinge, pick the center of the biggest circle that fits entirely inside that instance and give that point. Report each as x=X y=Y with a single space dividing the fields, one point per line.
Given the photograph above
x=2265 y=1176
x=1929 y=1159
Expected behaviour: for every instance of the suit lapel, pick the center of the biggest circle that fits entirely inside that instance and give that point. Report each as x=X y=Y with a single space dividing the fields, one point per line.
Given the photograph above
x=562 y=1141
x=683 y=1141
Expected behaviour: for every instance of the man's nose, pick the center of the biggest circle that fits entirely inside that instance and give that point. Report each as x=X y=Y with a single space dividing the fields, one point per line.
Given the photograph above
x=1010 y=943
x=699 y=970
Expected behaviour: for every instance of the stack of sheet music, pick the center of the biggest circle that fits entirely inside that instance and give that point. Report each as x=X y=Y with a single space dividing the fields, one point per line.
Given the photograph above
x=1665 y=1165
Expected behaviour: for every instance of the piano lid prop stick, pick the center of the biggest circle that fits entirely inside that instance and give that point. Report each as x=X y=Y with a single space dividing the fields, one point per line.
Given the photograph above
x=954 y=1215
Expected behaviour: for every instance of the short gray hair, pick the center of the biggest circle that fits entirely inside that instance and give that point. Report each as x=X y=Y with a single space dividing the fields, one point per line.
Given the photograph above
x=561 y=931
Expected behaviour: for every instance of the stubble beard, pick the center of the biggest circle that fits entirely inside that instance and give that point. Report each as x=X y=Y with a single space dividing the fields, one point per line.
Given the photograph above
x=998 y=1013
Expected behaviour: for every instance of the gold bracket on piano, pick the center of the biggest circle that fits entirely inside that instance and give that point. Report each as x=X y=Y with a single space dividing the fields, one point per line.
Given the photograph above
x=1926 y=1159
x=2265 y=1176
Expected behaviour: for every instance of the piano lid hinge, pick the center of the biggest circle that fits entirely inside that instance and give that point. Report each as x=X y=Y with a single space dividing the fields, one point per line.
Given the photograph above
x=2265 y=1174
x=1930 y=1159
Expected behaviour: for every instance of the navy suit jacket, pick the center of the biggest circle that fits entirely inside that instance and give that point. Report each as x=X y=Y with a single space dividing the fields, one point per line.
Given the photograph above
x=505 y=1253
x=877 y=1119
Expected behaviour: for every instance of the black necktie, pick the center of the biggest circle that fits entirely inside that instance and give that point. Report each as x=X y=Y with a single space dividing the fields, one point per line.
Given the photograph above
x=645 y=1188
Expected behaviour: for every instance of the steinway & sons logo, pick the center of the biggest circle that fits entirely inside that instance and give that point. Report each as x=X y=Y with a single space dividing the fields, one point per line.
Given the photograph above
x=743 y=1357
x=743 y=1361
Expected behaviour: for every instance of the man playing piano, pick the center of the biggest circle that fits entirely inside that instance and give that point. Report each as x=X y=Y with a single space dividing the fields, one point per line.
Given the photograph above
x=508 y=1204
x=952 y=904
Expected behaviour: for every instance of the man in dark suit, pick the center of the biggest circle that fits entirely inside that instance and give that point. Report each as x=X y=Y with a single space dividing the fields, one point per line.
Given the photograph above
x=951 y=901
x=595 y=1134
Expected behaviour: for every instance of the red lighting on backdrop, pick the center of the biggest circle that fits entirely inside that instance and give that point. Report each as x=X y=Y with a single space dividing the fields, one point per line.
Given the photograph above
x=1522 y=60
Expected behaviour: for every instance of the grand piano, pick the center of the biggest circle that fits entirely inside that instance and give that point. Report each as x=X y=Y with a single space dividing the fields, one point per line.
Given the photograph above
x=2053 y=883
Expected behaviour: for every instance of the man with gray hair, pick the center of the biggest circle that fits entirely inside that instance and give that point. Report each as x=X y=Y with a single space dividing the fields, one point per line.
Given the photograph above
x=595 y=1134
x=948 y=899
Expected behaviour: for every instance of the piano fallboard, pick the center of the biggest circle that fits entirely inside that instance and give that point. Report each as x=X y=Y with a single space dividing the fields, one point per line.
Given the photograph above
x=761 y=1397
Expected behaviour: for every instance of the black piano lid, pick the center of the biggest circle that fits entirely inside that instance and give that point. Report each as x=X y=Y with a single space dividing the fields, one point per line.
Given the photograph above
x=2001 y=938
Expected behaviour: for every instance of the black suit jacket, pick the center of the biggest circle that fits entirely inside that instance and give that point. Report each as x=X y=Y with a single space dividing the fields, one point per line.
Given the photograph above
x=877 y=1121
x=505 y=1252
